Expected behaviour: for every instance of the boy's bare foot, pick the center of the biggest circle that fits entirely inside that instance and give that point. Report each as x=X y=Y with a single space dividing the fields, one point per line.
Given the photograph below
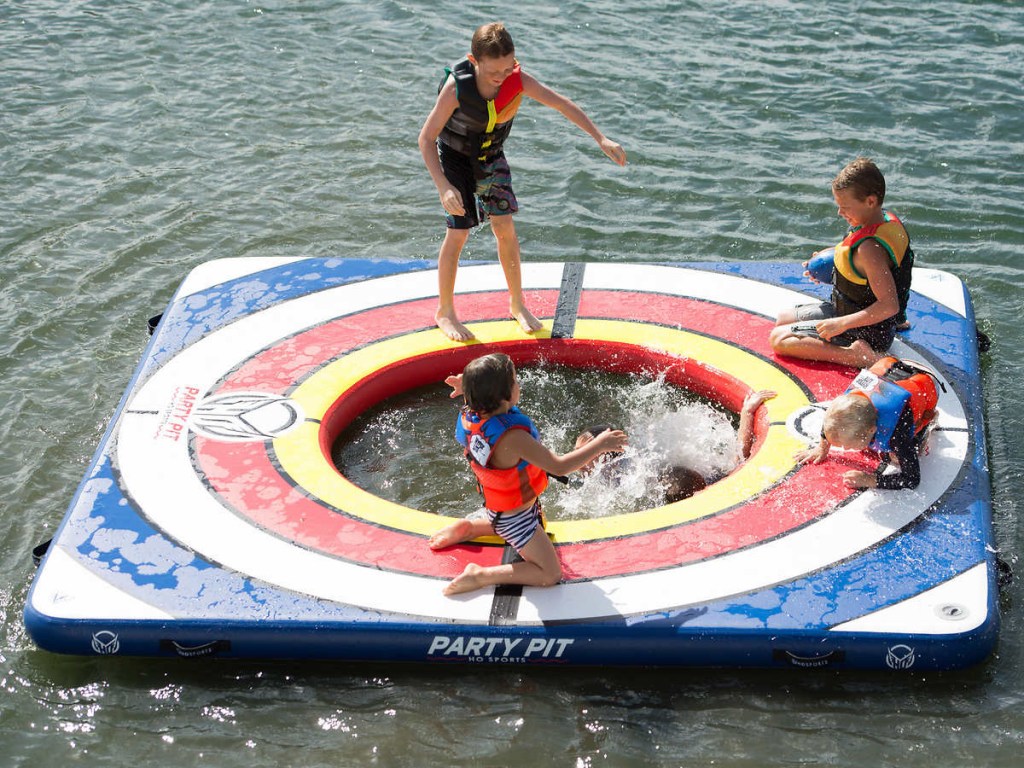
x=867 y=355
x=467 y=581
x=525 y=318
x=456 y=533
x=451 y=327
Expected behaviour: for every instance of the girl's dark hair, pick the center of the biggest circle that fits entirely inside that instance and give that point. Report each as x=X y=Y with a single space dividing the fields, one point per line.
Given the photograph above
x=487 y=381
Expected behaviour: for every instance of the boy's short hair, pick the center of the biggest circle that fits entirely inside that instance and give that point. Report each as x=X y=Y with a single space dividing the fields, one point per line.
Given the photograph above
x=863 y=178
x=491 y=41
x=850 y=417
x=488 y=380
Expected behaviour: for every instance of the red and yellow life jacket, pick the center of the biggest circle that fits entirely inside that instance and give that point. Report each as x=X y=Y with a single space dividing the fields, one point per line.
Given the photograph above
x=852 y=292
x=479 y=127
x=503 y=489
x=893 y=385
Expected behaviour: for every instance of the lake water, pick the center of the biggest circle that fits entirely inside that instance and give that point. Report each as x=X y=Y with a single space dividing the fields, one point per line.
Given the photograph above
x=139 y=139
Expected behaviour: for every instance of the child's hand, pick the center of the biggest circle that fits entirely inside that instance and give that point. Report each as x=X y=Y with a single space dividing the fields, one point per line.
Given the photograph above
x=612 y=440
x=753 y=401
x=857 y=479
x=807 y=272
x=814 y=455
x=451 y=201
x=455 y=382
x=613 y=150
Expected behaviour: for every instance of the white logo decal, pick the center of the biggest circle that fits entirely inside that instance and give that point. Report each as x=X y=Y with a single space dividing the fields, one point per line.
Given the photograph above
x=105 y=643
x=866 y=381
x=479 y=449
x=900 y=657
x=500 y=650
x=245 y=416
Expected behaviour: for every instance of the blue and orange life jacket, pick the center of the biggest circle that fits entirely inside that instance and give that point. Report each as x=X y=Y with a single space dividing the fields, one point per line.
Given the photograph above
x=851 y=291
x=503 y=489
x=479 y=127
x=892 y=385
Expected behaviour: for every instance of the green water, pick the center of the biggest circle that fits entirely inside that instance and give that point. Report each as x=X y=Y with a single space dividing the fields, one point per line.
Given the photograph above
x=404 y=449
x=139 y=139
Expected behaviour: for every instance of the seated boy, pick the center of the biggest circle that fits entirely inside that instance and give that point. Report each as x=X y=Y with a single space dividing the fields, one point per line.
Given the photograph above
x=870 y=280
x=887 y=408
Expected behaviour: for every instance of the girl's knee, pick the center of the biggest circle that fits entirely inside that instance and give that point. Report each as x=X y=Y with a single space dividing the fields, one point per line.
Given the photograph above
x=552 y=575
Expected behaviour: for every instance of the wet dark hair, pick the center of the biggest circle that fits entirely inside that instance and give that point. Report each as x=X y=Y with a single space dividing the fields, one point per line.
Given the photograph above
x=488 y=380
x=681 y=483
x=863 y=178
x=596 y=429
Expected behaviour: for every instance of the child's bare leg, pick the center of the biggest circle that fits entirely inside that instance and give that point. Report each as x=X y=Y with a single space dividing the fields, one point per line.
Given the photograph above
x=447 y=266
x=459 y=531
x=539 y=568
x=857 y=355
x=786 y=316
x=508 y=254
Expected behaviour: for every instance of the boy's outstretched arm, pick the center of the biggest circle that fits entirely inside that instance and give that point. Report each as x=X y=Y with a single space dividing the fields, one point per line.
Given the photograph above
x=538 y=91
x=446 y=104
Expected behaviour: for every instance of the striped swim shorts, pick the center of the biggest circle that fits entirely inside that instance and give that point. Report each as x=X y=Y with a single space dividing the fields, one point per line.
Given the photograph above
x=517 y=529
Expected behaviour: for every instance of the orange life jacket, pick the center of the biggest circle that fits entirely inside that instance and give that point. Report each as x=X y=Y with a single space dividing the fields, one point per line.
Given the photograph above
x=503 y=489
x=892 y=385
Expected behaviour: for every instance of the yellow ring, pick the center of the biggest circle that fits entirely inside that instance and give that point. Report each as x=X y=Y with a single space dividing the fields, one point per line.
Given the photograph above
x=301 y=458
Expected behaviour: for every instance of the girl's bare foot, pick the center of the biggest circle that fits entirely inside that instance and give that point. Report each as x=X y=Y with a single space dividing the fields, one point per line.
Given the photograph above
x=451 y=327
x=456 y=533
x=467 y=581
x=525 y=318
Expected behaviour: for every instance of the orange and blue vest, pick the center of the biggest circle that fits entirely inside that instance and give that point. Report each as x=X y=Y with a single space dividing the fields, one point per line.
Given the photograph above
x=851 y=291
x=893 y=385
x=503 y=489
x=479 y=127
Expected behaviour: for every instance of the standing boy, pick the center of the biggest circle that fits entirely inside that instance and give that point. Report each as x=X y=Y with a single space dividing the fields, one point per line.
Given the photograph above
x=870 y=280
x=462 y=145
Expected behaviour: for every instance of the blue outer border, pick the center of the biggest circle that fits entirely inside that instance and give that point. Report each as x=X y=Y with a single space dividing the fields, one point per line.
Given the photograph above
x=740 y=631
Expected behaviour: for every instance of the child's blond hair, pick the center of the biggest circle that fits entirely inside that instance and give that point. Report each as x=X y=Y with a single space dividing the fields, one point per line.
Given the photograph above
x=850 y=419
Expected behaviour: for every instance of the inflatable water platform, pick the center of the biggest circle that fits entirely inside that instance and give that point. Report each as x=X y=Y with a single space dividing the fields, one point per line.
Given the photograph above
x=212 y=522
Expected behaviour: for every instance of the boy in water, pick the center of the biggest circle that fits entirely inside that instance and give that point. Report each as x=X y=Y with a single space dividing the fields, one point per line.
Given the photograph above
x=870 y=280
x=682 y=482
x=511 y=467
x=462 y=145
x=887 y=408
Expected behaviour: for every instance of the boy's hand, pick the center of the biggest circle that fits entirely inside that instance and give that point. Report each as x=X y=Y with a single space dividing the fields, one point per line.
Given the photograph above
x=613 y=150
x=814 y=455
x=455 y=382
x=808 y=274
x=451 y=200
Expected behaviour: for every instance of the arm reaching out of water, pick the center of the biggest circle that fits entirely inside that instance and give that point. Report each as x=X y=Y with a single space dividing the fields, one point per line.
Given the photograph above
x=751 y=403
